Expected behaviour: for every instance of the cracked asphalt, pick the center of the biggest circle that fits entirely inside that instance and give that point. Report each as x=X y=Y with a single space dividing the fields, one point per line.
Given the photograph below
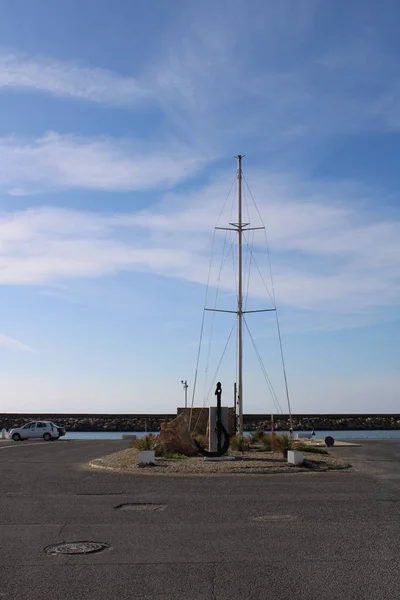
x=329 y=535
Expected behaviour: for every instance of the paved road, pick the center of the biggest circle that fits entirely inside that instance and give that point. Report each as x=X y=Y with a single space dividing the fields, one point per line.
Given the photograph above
x=336 y=535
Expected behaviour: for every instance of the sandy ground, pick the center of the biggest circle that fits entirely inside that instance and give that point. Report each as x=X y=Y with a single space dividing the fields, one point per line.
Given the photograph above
x=252 y=462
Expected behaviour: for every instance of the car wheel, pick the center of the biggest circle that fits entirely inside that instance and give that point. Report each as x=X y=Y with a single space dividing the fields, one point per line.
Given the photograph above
x=47 y=437
x=16 y=437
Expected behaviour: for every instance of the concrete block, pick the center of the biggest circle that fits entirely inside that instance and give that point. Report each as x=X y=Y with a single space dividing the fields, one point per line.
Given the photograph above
x=295 y=457
x=146 y=456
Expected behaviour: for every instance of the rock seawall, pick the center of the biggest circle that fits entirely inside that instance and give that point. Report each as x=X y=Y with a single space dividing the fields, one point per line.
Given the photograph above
x=149 y=422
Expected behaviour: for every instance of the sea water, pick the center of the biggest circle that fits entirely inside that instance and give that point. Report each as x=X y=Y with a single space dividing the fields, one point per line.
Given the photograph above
x=339 y=435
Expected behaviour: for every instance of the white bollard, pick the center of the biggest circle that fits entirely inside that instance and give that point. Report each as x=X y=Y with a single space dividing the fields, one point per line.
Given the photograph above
x=4 y=434
x=146 y=457
x=295 y=457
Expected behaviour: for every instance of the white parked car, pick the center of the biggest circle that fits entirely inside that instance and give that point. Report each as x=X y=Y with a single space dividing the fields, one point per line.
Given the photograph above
x=37 y=429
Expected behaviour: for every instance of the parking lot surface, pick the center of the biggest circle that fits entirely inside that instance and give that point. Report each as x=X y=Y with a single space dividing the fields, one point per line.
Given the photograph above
x=332 y=535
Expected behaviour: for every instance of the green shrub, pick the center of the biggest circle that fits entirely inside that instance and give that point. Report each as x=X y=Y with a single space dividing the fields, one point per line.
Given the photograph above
x=266 y=443
x=274 y=442
x=313 y=449
x=283 y=443
x=145 y=443
x=175 y=456
x=239 y=443
x=159 y=450
x=256 y=436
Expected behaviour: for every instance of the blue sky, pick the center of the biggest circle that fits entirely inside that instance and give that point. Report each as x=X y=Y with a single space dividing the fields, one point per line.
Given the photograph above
x=119 y=122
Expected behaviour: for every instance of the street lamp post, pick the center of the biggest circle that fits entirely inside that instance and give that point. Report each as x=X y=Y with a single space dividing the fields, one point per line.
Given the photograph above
x=185 y=387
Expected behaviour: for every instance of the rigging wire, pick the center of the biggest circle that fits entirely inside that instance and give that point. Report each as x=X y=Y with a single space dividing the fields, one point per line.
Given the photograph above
x=261 y=275
x=247 y=266
x=250 y=255
x=217 y=284
x=213 y=316
x=224 y=259
x=205 y=304
x=274 y=302
x=215 y=374
x=221 y=359
x=233 y=261
x=264 y=370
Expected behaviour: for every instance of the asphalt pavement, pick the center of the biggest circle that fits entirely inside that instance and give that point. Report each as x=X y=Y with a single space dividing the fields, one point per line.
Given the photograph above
x=333 y=535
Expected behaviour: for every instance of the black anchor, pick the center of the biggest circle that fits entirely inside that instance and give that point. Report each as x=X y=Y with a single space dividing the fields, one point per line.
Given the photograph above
x=219 y=428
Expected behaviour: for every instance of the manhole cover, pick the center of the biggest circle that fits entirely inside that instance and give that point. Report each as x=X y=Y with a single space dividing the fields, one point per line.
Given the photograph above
x=144 y=506
x=275 y=518
x=76 y=548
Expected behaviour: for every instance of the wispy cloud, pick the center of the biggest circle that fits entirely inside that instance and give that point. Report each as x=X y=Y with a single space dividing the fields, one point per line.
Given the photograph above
x=328 y=258
x=43 y=74
x=13 y=344
x=57 y=161
x=330 y=250
x=278 y=77
x=288 y=76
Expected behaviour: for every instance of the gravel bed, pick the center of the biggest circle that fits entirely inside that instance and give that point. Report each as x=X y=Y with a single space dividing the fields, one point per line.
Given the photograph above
x=251 y=462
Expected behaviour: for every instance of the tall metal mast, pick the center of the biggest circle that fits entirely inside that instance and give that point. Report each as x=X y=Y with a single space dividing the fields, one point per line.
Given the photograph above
x=240 y=227
x=240 y=301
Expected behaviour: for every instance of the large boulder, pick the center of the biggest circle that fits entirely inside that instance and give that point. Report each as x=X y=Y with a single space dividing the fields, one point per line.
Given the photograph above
x=174 y=436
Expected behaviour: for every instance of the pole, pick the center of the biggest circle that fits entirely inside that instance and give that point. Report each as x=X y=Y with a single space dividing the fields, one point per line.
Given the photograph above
x=235 y=408
x=240 y=300
x=218 y=392
x=185 y=387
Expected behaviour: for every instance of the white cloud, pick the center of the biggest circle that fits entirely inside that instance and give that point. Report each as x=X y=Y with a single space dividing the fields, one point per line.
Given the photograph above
x=283 y=90
x=276 y=79
x=68 y=79
x=43 y=245
x=328 y=258
x=57 y=161
x=13 y=344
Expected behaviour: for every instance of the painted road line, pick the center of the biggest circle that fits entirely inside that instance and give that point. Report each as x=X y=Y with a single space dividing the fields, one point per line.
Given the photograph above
x=17 y=445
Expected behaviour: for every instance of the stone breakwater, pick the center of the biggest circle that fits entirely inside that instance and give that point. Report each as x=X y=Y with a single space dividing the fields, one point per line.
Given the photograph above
x=143 y=422
x=322 y=422
x=81 y=422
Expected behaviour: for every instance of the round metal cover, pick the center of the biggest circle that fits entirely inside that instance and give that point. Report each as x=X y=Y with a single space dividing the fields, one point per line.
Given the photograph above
x=76 y=548
x=275 y=518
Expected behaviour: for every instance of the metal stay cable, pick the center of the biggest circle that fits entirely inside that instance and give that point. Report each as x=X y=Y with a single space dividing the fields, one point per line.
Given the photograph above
x=221 y=359
x=211 y=332
x=264 y=370
x=274 y=301
x=205 y=304
x=217 y=284
x=215 y=374
x=250 y=257
x=247 y=265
